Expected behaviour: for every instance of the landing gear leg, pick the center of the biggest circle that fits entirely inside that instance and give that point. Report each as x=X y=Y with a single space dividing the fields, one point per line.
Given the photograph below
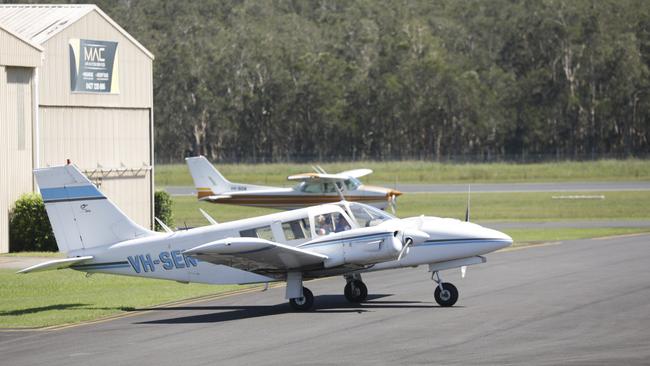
x=300 y=298
x=355 y=290
x=446 y=294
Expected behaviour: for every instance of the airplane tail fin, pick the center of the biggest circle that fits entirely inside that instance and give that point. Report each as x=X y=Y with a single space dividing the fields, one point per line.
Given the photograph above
x=207 y=180
x=81 y=216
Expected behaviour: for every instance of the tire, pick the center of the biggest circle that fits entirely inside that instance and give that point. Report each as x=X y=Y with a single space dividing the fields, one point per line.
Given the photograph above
x=359 y=294
x=303 y=303
x=448 y=296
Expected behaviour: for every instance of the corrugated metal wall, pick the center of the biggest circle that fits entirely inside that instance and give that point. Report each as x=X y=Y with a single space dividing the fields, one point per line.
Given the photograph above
x=135 y=68
x=94 y=129
x=110 y=137
x=14 y=51
x=15 y=141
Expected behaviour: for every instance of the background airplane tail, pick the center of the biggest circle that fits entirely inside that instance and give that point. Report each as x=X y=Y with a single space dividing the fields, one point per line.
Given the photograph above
x=81 y=216
x=207 y=180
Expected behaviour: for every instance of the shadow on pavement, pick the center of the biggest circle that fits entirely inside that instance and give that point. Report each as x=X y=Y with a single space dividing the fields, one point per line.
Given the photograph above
x=322 y=304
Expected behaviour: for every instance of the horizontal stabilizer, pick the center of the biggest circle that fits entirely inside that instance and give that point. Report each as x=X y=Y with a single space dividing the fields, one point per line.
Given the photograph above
x=253 y=254
x=56 y=264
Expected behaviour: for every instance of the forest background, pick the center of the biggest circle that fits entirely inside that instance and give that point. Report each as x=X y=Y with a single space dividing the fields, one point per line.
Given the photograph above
x=443 y=80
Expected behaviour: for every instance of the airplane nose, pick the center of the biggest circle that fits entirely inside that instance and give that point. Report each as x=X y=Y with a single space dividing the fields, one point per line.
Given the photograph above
x=393 y=192
x=503 y=237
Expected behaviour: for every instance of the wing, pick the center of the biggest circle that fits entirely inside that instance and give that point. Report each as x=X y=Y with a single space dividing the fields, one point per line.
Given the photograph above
x=256 y=255
x=55 y=264
x=318 y=177
x=356 y=173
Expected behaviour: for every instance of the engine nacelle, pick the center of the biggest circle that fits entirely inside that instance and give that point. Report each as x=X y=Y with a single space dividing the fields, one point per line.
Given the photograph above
x=363 y=251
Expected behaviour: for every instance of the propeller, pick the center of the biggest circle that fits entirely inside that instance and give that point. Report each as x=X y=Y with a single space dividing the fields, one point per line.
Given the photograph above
x=411 y=237
x=392 y=202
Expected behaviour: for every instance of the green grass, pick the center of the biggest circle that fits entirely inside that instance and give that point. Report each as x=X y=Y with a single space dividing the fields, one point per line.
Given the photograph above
x=529 y=206
x=34 y=254
x=523 y=237
x=67 y=296
x=484 y=207
x=389 y=173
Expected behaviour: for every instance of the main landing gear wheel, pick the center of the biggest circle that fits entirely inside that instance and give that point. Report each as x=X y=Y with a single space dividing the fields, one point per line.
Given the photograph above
x=303 y=303
x=447 y=296
x=355 y=291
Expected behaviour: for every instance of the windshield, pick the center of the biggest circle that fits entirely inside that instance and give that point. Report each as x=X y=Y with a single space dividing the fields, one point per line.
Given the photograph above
x=367 y=215
x=352 y=183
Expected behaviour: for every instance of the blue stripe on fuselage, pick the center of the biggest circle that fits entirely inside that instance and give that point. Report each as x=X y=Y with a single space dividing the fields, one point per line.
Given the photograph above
x=70 y=193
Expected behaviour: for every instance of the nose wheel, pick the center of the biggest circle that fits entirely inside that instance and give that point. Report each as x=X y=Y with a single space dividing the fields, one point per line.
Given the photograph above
x=445 y=294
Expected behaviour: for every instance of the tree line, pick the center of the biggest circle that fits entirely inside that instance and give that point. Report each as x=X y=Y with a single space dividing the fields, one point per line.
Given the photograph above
x=367 y=79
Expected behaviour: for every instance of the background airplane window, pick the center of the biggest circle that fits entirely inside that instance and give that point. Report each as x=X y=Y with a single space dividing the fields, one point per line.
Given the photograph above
x=312 y=188
x=263 y=232
x=296 y=230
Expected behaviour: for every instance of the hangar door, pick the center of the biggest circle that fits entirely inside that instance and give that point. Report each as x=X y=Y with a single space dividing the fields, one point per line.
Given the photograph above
x=15 y=142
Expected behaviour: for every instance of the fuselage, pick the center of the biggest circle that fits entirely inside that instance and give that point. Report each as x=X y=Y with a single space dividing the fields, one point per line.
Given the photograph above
x=294 y=198
x=161 y=255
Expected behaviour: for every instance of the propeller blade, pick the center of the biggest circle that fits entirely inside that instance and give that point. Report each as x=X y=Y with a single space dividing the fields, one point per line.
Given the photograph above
x=463 y=270
x=405 y=247
x=411 y=237
x=392 y=203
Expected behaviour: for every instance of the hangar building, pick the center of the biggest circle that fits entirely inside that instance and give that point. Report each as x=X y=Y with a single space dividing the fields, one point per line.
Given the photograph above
x=77 y=86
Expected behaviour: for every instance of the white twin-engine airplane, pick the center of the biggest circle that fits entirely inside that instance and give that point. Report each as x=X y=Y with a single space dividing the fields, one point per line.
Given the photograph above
x=343 y=239
x=313 y=189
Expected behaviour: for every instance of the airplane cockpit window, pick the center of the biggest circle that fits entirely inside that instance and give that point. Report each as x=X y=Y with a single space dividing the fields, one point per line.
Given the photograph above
x=329 y=223
x=367 y=215
x=296 y=230
x=263 y=232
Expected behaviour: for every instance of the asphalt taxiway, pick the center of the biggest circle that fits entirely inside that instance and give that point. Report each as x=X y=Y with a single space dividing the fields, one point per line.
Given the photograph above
x=583 y=302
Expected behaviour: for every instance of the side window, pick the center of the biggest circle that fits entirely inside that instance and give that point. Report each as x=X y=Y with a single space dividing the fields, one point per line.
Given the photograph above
x=296 y=230
x=263 y=232
x=323 y=224
x=312 y=188
x=330 y=223
x=341 y=223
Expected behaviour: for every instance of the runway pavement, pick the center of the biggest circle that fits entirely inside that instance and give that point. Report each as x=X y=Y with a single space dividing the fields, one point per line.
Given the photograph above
x=490 y=187
x=584 y=302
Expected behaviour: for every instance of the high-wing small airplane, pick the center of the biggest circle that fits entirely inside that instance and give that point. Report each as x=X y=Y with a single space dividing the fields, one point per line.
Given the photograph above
x=342 y=239
x=313 y=189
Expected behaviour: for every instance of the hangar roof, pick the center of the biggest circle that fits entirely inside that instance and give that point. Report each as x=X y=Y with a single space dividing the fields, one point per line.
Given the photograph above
x=39 y=23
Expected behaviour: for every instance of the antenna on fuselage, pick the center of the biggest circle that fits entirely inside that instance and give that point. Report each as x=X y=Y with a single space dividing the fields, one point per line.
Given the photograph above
x=469 y=190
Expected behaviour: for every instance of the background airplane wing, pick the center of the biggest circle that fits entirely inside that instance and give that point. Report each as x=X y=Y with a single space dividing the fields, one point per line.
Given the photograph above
x=356 y=173
x=256 y=255
x=318 y=177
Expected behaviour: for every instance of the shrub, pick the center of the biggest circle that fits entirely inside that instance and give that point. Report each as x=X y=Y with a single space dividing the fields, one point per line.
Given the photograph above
x=163 y=209
x=29 y=226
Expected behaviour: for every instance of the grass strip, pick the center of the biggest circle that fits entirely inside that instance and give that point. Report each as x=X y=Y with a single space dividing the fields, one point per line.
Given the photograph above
x=420 y=172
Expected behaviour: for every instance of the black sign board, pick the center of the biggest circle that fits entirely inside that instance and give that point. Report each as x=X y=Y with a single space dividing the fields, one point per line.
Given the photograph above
x=93 y=66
